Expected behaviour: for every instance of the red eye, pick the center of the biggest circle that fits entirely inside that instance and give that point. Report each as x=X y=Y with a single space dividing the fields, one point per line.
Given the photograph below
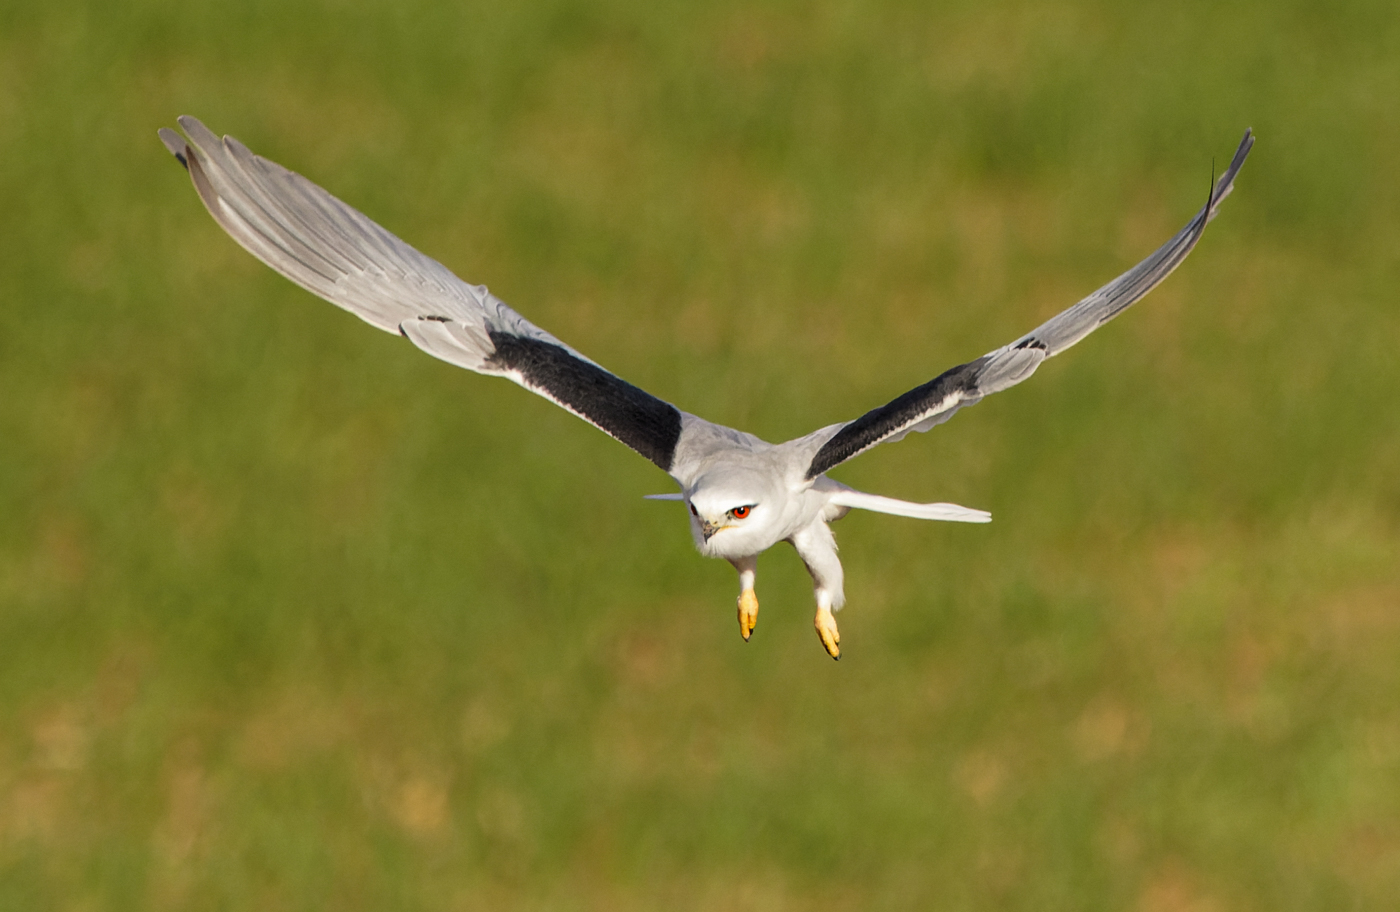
x=739 y=512
x=692 y=510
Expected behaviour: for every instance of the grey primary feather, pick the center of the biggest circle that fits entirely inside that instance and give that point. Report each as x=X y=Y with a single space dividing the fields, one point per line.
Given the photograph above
x=936 y=401
x=322 y=244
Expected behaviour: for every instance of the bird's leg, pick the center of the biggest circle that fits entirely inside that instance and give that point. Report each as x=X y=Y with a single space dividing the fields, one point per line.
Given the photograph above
x=748 y=601
x=817 y=547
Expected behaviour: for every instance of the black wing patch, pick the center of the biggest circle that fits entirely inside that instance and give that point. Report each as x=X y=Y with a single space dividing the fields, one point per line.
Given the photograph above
x=635 y=417
x=914 y=406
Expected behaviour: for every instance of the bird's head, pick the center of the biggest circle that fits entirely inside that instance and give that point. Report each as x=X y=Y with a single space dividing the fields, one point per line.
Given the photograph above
x=728 y=511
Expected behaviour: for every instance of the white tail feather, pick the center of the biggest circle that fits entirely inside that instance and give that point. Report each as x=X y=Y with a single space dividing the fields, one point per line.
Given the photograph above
x=945 y=511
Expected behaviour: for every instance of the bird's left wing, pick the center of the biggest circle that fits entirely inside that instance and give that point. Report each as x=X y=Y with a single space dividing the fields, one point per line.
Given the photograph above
x=935 y=402
x=337 y=252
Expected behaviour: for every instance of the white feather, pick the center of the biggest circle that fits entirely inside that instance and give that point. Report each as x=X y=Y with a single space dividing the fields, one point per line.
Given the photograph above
x=950 y=512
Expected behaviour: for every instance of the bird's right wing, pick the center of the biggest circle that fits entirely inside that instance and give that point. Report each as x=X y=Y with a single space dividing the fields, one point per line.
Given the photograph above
x=337 y=252
x=935 y=402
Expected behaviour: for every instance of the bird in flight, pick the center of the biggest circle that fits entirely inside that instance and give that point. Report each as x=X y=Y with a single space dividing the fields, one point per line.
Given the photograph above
x=743 y=494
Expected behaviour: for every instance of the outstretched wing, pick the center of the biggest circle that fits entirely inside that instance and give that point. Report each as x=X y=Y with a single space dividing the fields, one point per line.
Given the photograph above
x=935 y=402
x=336 y=252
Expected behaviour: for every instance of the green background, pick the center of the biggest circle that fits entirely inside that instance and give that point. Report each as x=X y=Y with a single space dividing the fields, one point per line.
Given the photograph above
x=295 y=617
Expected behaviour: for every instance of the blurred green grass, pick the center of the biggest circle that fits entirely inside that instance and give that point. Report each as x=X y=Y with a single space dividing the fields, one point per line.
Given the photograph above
x=293 y=617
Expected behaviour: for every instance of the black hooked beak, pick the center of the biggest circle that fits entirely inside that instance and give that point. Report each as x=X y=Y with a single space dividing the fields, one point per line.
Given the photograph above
x=708 y=529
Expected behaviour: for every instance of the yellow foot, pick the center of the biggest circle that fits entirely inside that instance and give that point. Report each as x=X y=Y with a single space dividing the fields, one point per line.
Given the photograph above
x=830 y=636
x=748 y=613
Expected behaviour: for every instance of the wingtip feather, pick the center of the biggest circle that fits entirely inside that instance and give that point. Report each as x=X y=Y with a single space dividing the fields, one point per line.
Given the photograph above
x=175 y=145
